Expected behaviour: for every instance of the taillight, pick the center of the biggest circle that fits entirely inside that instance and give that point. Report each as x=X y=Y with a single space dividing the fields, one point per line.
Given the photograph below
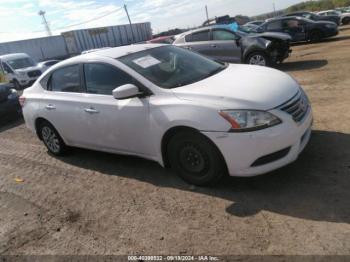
x=22 y=100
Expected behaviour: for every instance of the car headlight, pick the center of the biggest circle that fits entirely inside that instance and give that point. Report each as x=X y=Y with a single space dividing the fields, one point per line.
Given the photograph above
x=249 y=120
x=331 y=26
x=12 y=94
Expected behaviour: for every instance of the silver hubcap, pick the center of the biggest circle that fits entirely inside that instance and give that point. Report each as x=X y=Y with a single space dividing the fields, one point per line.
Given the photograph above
x=257 y=60
x=50 y=139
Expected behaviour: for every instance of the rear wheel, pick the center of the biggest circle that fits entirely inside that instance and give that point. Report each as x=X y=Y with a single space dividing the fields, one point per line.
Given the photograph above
x=346 y=21
x=195 y=158
x=315 y=36
x=258 y=58
x=52 y=140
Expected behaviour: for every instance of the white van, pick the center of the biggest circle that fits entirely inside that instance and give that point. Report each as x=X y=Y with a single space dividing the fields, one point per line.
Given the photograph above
x=20 y=69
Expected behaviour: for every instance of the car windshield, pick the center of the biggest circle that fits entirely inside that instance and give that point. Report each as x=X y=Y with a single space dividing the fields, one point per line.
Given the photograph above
x=21 y=63
x=171 y=67
x=246 y=30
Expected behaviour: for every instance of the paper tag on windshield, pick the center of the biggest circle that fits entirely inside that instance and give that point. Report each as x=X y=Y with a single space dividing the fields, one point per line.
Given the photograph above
x=146 y=61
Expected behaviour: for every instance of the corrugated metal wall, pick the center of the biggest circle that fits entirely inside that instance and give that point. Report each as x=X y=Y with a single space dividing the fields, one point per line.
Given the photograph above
x=85 y=39
x=74 y=42
x=39 y=49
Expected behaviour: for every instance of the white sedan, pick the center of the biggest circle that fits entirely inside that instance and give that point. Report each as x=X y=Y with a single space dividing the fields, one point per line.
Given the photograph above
x=200 y=117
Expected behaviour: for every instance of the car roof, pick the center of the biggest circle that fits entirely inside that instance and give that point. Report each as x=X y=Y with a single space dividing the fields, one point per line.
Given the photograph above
x=299 y=12
x=13 y=56
x=120 y=51
x=114 y=52
x=284 y=18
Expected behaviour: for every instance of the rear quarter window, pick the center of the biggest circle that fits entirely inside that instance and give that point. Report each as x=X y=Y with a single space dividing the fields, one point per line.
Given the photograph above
x=44 y=82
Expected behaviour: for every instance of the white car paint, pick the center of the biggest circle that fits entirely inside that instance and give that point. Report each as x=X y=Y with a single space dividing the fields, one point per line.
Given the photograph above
x=21 y=74
x=136 y=126
x=345 y=15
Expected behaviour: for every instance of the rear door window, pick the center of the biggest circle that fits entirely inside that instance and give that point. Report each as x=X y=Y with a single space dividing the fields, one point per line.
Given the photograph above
x=223 y=35
x=198 y=37
x=66 y=79
x=274 y=26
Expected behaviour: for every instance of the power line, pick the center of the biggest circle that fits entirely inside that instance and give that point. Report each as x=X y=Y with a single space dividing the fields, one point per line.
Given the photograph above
x=88 y=21
x=72 y=25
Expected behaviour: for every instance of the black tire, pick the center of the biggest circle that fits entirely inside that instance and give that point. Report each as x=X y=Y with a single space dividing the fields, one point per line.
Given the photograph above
x=51 y=139
x=258 y=58
x=346 y=21
x=315 y=36
x=195 y=158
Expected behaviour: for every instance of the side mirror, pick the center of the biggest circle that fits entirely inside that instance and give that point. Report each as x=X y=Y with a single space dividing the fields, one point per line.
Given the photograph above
x=126 y=91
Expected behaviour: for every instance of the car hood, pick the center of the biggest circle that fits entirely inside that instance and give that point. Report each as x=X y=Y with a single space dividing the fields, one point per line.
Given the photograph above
x=280 y=36
x=241 y=87
x=28 y=69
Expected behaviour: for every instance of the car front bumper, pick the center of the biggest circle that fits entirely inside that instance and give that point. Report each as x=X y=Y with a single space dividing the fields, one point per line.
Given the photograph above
x=331 y=32
x=259 y=152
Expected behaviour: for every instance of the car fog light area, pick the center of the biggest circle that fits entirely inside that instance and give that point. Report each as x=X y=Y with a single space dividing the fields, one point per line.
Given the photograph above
x=249 y=120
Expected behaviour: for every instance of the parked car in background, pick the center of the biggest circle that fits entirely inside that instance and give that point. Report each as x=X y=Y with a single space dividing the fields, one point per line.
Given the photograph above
x=173 y=106
x=300 y=29
x=344 y=16
x=162 y=40
x=47 y=64
x=20 y=69
x=256 y=22
x=220 y=43
x=315 y=17
x=9 y=103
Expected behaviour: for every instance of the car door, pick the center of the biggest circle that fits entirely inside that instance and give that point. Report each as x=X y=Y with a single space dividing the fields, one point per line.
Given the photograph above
x=295 y=28
x=198 y=42
x=62 y=102
x=225 y=46
x=10 y=74
x=111 y=124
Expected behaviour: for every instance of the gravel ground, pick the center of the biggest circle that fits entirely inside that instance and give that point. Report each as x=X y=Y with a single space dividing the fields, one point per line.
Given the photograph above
x=97 y=203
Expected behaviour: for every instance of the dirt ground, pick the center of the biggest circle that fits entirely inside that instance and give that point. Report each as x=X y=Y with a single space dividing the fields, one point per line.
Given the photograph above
x=97 y=203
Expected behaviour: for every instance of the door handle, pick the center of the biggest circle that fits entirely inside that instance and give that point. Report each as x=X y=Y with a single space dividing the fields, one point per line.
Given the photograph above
x=188 y=47
x=213 y=45
x=50 y=107
x=91 y=110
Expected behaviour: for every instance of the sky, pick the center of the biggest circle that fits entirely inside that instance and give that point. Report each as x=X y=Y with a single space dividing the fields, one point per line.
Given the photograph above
x=19 y=19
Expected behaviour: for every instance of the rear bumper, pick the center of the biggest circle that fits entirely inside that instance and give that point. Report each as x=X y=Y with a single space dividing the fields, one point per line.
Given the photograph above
x=10 y=107
x=255 y=153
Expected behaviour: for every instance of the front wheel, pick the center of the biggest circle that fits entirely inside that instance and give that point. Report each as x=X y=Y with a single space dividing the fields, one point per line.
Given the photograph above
x=346 y=21
x=52 y=139
x=315 y=36
x=195 y=158
x=258 y=58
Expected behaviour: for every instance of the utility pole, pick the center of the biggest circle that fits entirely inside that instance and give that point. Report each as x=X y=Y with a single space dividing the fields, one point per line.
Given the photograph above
x=206 y=12
x=274 y=8
x=46 y=24
x=132 y=31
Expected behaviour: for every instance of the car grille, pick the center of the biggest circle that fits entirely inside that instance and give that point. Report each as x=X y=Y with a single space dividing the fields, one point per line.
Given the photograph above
x=297 y=106
x=34 y=73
